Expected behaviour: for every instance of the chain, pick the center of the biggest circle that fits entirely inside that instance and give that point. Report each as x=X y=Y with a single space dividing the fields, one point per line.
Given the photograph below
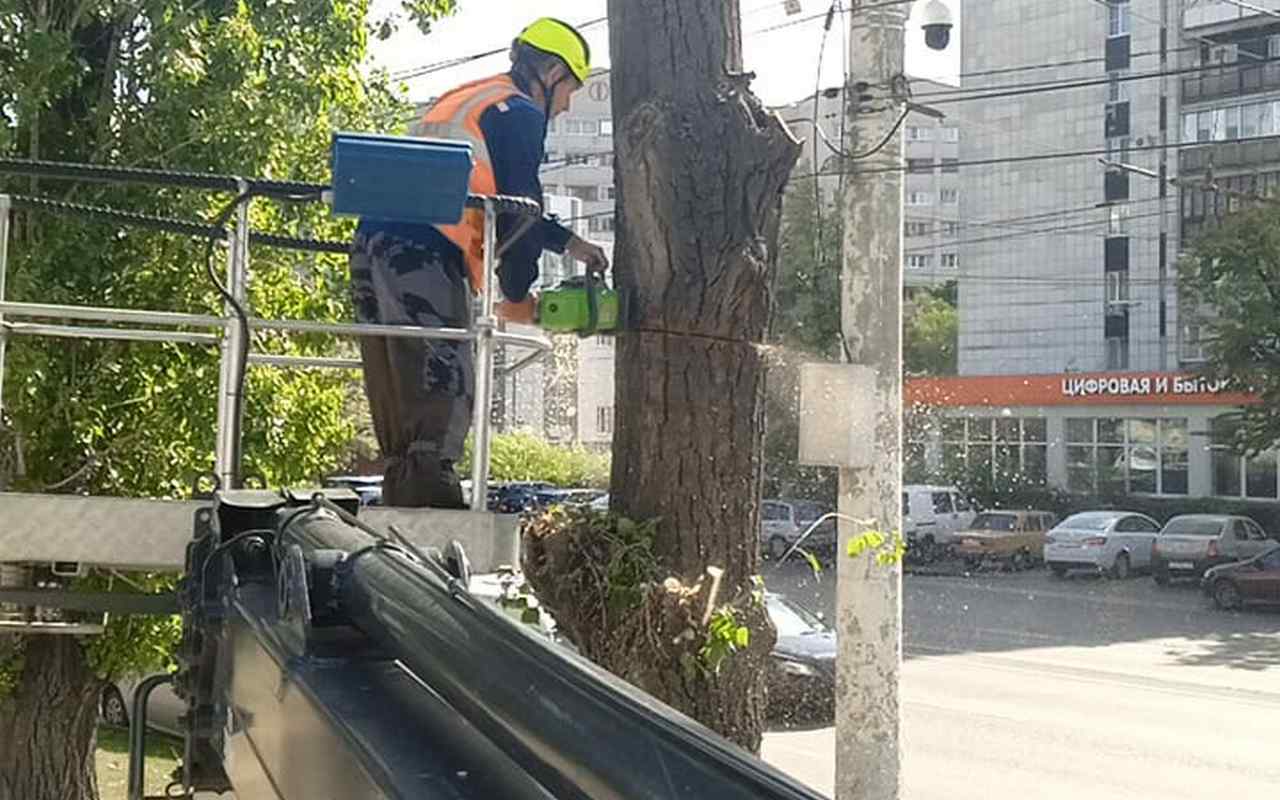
x=170 y=224
x=157 y=177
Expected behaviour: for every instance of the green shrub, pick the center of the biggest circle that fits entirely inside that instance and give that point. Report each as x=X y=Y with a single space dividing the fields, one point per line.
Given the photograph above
x=527 y=457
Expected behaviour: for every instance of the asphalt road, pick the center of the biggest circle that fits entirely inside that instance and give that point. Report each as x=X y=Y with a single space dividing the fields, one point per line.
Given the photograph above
x=1021 y=685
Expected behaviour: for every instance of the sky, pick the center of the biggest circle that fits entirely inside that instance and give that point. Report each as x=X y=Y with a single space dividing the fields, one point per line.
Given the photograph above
x=785 y=61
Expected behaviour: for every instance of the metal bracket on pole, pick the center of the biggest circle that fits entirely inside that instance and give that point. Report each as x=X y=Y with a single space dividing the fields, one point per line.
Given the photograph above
x=485 y=327
x=230 y=402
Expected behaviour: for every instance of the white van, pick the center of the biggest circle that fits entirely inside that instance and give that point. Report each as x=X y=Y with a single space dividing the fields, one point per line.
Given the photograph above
x=933 y=515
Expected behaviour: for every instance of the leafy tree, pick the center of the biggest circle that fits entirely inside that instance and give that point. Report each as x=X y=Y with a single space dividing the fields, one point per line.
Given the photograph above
x=805 y=327
x=1230 y=285
x=931 y=326
x=252 y=88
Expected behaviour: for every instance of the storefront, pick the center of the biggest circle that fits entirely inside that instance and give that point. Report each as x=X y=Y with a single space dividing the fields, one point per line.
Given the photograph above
x=1136 y=433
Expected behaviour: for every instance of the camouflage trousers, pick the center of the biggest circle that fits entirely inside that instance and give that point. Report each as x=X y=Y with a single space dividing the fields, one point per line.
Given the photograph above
x=420 y=390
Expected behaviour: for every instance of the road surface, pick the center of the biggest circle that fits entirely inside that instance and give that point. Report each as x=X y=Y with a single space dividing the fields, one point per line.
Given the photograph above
x=1024 y=686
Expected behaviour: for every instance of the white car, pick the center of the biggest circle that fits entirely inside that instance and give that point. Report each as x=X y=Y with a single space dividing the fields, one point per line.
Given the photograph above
x=1111 y=542
x=784 y=522
x=932 y=516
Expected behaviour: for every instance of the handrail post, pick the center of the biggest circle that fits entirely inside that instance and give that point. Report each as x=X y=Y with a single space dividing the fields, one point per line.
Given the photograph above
x=138 y=733
x=230 y=401
x=484 y=327
x=5 y=209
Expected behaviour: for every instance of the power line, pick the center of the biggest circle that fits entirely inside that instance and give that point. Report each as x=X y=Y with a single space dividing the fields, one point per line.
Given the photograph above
x=1072 y=227
x=437 y=66
x=1037 y=87
x=982 y=162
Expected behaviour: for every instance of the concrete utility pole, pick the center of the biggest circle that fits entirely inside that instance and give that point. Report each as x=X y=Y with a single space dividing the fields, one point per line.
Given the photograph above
x=869 y=595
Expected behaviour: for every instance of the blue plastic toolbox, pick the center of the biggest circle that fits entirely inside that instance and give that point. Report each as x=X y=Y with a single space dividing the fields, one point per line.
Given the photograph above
x=400 y=178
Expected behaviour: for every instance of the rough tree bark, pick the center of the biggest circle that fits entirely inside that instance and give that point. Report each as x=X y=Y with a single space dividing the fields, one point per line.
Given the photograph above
x=48 y=724
x=700 y=169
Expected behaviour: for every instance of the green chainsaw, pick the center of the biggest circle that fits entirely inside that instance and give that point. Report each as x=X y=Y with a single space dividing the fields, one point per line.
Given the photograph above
x=583 y=304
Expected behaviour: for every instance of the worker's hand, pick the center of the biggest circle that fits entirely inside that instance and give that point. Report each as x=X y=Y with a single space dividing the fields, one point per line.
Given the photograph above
x=525 y=312
x=592 y=255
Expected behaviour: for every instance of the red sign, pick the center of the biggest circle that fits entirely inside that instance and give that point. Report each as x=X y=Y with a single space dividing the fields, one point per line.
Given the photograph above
x=1074 y=389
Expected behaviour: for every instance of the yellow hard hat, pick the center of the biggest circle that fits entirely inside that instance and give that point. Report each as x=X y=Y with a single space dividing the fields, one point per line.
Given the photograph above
x=560 y=39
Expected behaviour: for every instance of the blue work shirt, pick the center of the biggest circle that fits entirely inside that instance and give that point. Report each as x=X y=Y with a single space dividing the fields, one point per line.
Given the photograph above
x=515 y=132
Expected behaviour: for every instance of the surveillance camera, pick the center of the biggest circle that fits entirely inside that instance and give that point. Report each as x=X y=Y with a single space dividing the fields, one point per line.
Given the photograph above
x=937 y=25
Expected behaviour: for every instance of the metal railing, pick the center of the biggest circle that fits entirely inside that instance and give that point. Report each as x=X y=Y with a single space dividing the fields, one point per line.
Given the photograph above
x=228 y=333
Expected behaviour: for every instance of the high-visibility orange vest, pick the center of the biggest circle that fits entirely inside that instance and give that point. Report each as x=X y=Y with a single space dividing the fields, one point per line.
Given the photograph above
x=456 y=115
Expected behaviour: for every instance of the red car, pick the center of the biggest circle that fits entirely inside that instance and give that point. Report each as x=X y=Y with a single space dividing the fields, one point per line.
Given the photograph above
x=1255 y=580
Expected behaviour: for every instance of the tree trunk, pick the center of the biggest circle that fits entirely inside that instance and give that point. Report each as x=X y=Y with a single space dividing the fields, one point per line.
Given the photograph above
x=700 y=169
x=48 y=724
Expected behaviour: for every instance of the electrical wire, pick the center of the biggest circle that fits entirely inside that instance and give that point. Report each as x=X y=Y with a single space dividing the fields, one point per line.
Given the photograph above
x=981 y=162
x=411 y=73
x=242 y=317
x=1037 y=87
x=817 y=185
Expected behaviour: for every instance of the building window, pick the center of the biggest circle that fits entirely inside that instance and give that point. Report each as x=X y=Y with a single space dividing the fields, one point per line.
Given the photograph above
x=1136 y=456
x=918 y=134
x=1118 y=18
x=950 y=261
x=950 y=165
x=1118 y=149
x=586 y=194
x=604 y=419
x=1117 y=216
x=1118 y=286
x=951 y=228
x=919 y=198
x=919 y=165
x=950 y=197
x=950 y=134
x=1003 y=449
x=1116 y=90
x=606 y=127
x=581 y=127
x=601 y=224
x=607 y=193
x=919 y=228
x=1117 y=353
x=917 y=262
x=1235 y=475
x=604 y=341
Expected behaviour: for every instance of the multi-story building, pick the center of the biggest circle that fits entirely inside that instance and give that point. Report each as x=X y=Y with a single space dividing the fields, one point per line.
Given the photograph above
x=1074 y=361
x=932 y=225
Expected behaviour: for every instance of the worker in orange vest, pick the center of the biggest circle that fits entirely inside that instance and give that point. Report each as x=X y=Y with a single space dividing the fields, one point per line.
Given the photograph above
x=421 y=391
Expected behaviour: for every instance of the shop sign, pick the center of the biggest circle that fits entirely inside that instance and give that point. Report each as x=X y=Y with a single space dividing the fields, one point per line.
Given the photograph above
x=1143 y=385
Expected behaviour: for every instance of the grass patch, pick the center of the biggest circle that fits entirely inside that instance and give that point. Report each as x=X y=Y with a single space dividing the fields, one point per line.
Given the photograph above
x=112 y=760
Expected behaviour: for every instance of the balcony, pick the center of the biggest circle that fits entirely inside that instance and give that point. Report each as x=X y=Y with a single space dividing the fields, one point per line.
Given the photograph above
x=1231 y=81
x=1247 y=154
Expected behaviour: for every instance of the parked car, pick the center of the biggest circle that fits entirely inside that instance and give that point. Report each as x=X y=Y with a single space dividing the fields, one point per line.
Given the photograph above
x=931 y=518
x=802 y=676
x=163 y=711
x=1254 y=580
x=1111 y=542
x=520 y=496
x=784 y=522
x=1190 y=544
x=368 y=487
x=1014 y=538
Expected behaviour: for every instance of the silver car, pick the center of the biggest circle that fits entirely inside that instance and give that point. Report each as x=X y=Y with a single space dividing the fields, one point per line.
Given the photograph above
x=163 y=712
x=1110 y=542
